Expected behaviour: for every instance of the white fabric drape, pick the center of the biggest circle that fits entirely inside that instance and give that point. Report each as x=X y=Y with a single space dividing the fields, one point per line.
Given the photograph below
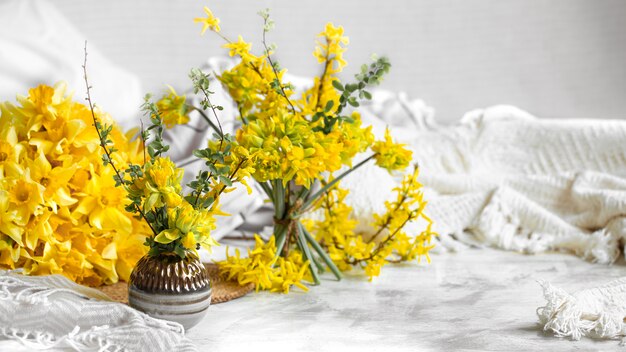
x=51 y=312
x=504 y=178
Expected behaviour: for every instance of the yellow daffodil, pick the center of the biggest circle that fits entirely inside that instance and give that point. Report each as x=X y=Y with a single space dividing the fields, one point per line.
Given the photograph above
x=54 y=180
x=104 y=203
x=10 y=150
x=26 y=196
x=10 y=220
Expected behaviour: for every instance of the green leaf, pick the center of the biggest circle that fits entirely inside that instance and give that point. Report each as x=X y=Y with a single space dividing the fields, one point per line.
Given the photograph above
x=207 y=202
x=329 y=105
x=180 y=251
x=317 y=116
x=226 y=181
x=337 y=85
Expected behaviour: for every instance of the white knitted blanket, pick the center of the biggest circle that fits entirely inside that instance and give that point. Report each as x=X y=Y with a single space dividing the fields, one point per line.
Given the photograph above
x=506 y=179
x=51 y=312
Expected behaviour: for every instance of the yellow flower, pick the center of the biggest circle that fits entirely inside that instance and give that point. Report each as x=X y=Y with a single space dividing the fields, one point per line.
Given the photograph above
x=10 y=221
x=173 y=109
x=41 y=108
x=390 y=155
x=104 y=203
x=265 y=269
x=130 y=248
x=162 y=184
x=210 y=22
x=354 y=138
x=26 y=197
x=54 y=180
x=331 y=48
x=190 y=226
x=9 y=253
x=240 y=48
x=189 y=241
x=10 y=150
x=285 y=147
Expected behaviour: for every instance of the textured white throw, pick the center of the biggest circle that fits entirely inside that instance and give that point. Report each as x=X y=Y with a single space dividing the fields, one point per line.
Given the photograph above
x=504 y=178
x=51 y=312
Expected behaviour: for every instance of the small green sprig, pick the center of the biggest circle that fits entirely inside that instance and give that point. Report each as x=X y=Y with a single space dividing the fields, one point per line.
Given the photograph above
x=207 y=180
x=268 y=23
x=275 y=84
x=156 y=146
x=369 y=76
x=104 y=132
x=201 y=83
x=374 y=73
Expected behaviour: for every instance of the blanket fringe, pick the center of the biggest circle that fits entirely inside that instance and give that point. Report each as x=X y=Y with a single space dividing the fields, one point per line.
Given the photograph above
x=596 y=313
x=90 y=340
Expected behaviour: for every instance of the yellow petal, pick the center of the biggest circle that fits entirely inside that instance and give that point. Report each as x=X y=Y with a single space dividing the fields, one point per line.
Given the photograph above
x=110 y=251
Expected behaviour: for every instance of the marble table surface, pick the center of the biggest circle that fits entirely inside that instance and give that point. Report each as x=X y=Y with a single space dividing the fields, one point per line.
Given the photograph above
x=474 y=300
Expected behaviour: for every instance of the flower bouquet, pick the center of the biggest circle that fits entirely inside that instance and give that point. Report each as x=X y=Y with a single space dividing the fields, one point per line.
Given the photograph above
x=60 y=212
x=170 y=282
x=298 y=148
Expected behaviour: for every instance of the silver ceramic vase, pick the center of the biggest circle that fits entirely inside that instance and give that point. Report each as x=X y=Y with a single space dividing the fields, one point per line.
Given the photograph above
x=170 y=288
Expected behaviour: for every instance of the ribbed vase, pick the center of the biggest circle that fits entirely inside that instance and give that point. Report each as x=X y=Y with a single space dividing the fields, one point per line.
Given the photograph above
x=170 y=288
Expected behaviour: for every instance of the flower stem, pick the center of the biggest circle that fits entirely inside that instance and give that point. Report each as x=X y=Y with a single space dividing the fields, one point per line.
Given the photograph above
x=329 y=185
x=280 y=84
x=307 y=253
x=103 y=144
x=321 y=252
x=207 y=119
x=280 y=235
x=279 y=199
x=268 y=190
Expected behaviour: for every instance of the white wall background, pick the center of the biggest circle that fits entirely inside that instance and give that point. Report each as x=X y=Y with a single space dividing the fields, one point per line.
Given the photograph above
x=559 y=58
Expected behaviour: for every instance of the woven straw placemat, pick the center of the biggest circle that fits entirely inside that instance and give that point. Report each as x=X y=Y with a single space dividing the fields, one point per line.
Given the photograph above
x=222 y=290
